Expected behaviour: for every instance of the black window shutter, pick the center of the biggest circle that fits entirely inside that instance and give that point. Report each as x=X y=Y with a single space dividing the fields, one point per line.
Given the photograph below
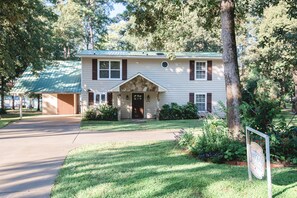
x=191 y=98
x=91 y=98
x=192 y=70
x=209 y=100
x=209 y=70
x=109 y=98
x=94 y=69
x=124 y=69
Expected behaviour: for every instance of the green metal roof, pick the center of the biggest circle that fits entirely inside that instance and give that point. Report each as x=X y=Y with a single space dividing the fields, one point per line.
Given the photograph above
x=87 y=53
x=59 y=77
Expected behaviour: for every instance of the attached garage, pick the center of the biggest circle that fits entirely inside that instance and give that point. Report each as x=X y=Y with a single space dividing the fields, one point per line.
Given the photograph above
x=59 y=84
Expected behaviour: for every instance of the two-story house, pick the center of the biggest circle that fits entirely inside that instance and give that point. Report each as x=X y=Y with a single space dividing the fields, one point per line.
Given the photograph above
x=139 y=83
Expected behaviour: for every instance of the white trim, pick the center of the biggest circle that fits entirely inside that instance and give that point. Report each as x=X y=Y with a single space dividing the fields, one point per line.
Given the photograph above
x=100 y=94
x=195 y=101
x=109 y=69
x=195 y=70
x=148 y=57
x=117 y=87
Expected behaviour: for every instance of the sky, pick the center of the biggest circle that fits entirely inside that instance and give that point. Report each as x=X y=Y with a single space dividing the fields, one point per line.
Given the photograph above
x=118 y=8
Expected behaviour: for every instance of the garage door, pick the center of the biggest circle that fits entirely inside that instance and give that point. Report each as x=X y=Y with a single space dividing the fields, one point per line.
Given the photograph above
x=65 y=104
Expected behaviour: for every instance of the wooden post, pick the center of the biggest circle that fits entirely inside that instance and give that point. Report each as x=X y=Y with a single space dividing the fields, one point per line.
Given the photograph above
x=21 y=107
x=119 y=106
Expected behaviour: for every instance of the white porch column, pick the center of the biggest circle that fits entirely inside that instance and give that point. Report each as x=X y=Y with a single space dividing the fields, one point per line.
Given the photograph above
x=119 y=106
x=21 y=106
x=158 y=106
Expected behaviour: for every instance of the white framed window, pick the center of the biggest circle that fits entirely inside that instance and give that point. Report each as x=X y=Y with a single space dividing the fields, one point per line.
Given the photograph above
x=109 y=69
x=100 y=98
x=200 y=101
x=200 y=70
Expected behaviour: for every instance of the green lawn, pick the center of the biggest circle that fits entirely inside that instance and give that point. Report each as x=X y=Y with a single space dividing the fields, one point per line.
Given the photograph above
x=159 y=169
x=129 y=125
x=13 y=115
x=290 y=118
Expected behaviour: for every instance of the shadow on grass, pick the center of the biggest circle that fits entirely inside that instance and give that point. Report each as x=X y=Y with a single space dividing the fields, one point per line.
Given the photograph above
x=128 y=125
x=148 y=170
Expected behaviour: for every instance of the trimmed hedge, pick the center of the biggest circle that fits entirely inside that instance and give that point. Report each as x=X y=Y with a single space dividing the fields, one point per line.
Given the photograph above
x=103 y=112
x=178 y=112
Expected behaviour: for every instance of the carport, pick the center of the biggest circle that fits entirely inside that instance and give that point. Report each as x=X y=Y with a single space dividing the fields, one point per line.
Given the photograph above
x=59 y=84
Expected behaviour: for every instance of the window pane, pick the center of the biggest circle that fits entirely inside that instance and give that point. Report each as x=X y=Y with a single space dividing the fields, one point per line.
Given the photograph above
x=104 y=65
x=200 y=98
x=115 y=65
x=104 y=74
x=102 y=98
x=201 y=106
x=200 y=65
x=115 y=74
x=200 y=74
x=97 y=98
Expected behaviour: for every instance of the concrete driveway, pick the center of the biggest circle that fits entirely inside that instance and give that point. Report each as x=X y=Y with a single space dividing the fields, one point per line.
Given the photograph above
x=33 y=150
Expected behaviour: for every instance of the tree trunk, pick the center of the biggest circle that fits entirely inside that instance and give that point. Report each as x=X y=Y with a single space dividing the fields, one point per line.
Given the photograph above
x=294 y=101
x=38 y=102
x=231 y=67
x=91 y=36
x=2 y=92
x=12 y=97
x=65 y=53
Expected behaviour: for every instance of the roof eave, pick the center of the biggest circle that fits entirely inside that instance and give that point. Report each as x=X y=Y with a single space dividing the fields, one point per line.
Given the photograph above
x=147 y=57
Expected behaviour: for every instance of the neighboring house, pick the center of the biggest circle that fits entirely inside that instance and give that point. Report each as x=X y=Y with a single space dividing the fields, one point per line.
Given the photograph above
x=139 y=83
x=59 y=84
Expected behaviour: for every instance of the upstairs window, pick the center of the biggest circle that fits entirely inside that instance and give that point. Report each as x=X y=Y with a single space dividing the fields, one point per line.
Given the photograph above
x=200 y=101
x=100 y=98
x=200 y=70
x=109 y=69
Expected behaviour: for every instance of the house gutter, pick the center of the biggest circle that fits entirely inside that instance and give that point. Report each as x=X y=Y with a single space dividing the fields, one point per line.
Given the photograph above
x=148 y=57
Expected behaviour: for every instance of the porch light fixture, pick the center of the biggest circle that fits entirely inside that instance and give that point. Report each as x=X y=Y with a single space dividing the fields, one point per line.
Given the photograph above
x=127 y=97
x=148 y=98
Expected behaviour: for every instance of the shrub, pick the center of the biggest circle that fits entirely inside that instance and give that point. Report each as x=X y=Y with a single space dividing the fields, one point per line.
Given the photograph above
x=90 y=114
x=107 y=112
x=177 y=112
x=283 y=145
x=103 y=112
x=3 y=111
x=190 y=111
x=185 y=139
x=260 y=104
x=213 y=144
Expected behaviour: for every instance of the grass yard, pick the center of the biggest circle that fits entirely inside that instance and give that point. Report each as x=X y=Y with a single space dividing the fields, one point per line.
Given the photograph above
x=159 y=169
x=129 y=125
x=289 y=117
x=13 y=115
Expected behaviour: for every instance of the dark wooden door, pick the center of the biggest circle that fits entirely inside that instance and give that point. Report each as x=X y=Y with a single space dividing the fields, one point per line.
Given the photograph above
x=137 y=105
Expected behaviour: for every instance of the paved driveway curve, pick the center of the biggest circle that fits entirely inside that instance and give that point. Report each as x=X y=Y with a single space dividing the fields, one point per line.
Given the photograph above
x=33 y=150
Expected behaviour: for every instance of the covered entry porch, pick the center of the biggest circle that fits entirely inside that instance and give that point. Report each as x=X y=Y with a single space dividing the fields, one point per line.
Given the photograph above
x=138 y=98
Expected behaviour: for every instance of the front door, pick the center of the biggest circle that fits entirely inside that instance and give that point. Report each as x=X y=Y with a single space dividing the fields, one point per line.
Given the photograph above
x=137 y=105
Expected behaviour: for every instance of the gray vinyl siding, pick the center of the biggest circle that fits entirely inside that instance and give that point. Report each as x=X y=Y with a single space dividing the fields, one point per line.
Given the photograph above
x=175 y=78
